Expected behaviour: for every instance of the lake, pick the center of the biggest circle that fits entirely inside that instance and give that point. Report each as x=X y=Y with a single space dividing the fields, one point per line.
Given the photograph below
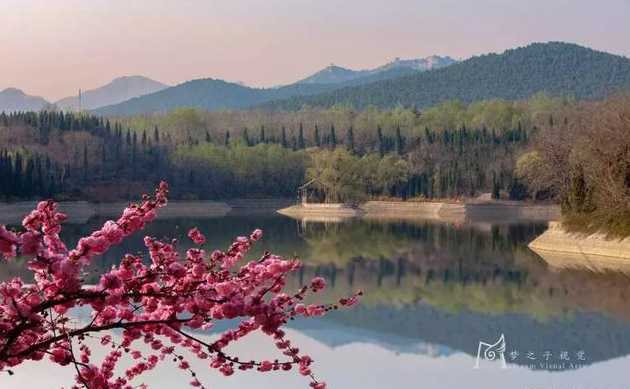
x=433 y=292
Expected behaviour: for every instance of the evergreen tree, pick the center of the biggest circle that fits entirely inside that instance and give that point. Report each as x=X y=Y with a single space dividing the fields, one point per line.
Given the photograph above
x=285 y=143
x=208 y=137
x=226 y=143
x=333 y=136
x=29 y=179
x=317 y=139
x=381 y=145
x=263 y=139
x=301 y=143
x=400 y=142
x=17 y=176
x=427 y=135
x=134 y=156
x=496 y=187
x=85 y=163
x=246 y=137
x=350 y=141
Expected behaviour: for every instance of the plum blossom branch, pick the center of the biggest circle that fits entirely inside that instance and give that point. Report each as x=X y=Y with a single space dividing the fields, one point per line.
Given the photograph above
x=158 y=299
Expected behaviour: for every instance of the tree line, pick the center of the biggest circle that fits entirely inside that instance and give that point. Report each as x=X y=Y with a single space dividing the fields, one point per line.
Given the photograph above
x=452 y=150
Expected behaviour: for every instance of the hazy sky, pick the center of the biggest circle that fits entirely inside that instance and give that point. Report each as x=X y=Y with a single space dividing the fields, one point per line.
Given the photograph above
x=53 y=48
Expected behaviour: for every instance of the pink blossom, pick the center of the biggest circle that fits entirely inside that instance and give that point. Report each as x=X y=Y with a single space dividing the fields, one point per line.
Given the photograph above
x=177 y=295
x=111 y=281
x=31 y=243
x=318 y=283
x=197 y=236
x=226 y=288
x=265 y=366
x=256 y=235
x=8 y=242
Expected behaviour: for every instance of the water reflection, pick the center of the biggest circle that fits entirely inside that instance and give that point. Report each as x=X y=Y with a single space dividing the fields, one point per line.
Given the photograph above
x=433 y=291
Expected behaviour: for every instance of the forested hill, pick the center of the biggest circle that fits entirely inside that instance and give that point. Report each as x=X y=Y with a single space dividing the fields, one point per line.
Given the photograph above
x=213 y=94
x=559 y=68
x=208 y=94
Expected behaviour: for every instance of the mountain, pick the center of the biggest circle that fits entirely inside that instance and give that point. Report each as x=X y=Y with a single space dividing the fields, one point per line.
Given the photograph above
x=559 y=68
x=215 y=94
x=332 y=74
x=208 y=94
x=12 y=100
x=119 y=90
x=337 y=75
x=421 y=64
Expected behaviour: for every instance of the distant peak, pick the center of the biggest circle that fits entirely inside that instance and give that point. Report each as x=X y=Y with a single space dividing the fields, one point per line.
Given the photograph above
x=12 y=91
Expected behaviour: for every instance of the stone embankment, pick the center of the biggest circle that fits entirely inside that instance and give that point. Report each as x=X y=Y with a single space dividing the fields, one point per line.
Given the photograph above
x=597 y=252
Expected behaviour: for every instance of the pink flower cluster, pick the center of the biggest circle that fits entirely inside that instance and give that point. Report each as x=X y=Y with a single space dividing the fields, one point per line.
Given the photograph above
x=155 y=299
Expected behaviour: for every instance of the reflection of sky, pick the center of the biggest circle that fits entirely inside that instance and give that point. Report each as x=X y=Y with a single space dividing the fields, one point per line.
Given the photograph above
x=356 y=365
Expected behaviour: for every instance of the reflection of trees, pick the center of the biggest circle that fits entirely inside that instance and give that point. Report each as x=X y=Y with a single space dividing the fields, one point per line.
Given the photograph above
x=452 y=268
x=340 y=243
x=455 y=269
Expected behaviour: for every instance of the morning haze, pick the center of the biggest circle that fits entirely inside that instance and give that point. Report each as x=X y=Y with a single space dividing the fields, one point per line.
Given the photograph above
x=53 y=51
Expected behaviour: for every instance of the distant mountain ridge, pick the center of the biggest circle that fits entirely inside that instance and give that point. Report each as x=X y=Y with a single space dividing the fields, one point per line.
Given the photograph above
x=562 y=69
x=334 y=74
x=213 y=94
x=116 y=91
x=13 y=100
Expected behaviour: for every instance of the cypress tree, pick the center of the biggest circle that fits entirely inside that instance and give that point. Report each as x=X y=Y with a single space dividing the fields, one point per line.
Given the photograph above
x=29 y=179
x=399 y=142
x=496 y=187
x=317 y=139
x=246 y=137
x=134 y=156
x=350 y=141
x=227 y=139
x=86 y=163
x=207 y=137
x=39 y=177
x=263 y=139
x=333 y=137
x=301 y=143
x=381 y=145
x=17 y=176
x=427 y=135
x=285 y=144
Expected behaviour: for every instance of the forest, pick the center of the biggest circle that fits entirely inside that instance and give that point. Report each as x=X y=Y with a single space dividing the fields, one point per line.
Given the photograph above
x=451 y=150
x=562 y=69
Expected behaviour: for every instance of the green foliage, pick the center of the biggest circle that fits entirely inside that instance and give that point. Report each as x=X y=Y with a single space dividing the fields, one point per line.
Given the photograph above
x=186 y=123
x=239 y=170
x=338 y=174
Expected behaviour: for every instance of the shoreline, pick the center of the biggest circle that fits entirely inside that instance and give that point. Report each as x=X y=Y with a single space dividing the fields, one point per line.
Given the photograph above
x=563 y=249
x=80 y=212
x=499 y=213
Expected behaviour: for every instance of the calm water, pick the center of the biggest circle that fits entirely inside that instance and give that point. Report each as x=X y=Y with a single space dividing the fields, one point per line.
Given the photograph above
x=433 y=292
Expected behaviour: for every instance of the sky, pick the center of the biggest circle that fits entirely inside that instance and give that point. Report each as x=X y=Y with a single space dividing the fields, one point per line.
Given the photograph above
x=53 y=48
